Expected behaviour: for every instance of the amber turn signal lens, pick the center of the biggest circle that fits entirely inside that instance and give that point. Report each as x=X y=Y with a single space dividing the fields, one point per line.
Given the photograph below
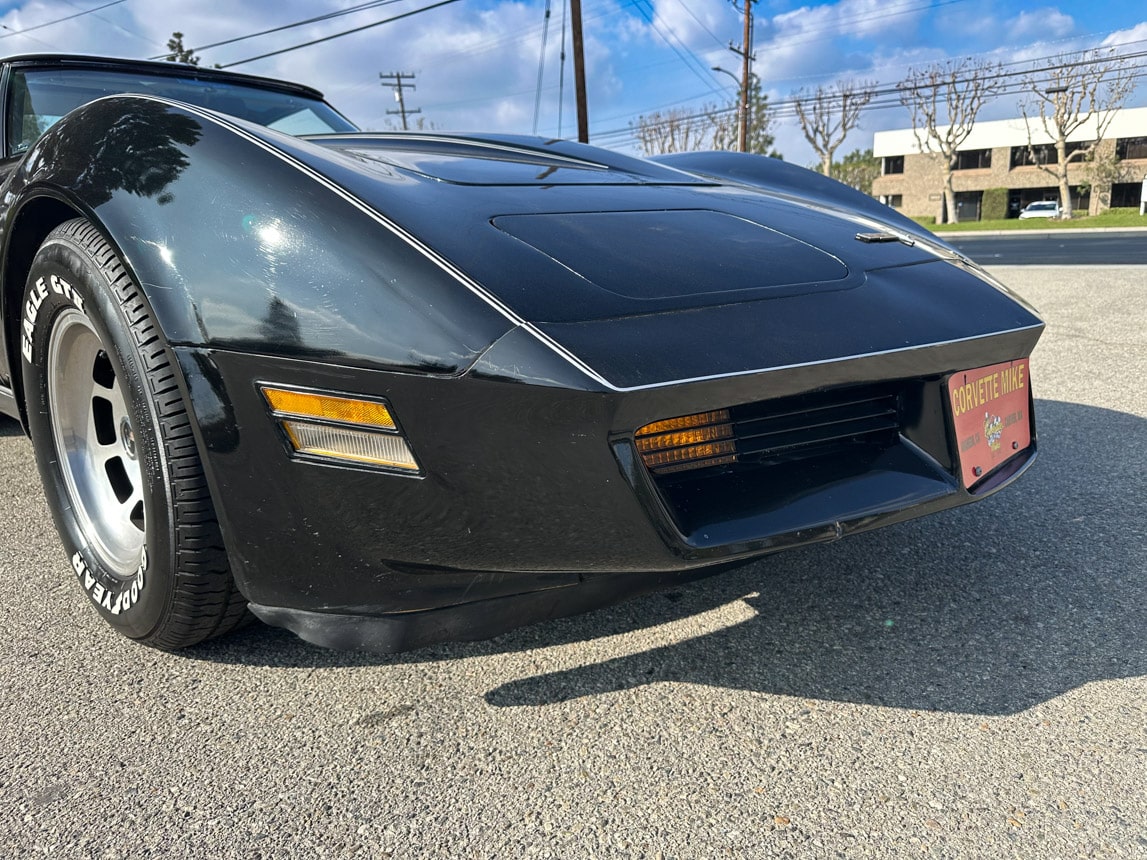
x=688 y=442
x=330 y=407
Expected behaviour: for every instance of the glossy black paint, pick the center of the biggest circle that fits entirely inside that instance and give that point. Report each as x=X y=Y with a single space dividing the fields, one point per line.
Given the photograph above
x=506 y=296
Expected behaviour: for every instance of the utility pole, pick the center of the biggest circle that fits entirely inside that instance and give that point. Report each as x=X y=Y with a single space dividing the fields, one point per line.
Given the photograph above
x=579 y=71
x=745 y=52
x=395 y=79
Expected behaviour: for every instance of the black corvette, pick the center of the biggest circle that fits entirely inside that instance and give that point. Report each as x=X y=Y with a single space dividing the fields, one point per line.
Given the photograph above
x=386 y=390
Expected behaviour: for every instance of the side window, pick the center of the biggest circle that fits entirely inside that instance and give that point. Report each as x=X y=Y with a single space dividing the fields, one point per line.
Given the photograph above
x=31 y=112
x=23 y=127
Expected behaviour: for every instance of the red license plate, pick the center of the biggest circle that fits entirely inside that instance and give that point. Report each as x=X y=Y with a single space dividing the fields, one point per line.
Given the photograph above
x=990 y=416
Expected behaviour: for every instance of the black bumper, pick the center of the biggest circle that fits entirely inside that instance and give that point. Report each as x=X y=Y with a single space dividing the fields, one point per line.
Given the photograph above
x=532 y=503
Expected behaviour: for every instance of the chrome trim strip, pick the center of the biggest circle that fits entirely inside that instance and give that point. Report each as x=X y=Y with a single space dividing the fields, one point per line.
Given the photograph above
x=824 y=361
x=468 y=141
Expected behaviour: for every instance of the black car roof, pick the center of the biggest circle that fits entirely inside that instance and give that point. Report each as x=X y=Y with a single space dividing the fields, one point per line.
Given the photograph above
x=158 y=67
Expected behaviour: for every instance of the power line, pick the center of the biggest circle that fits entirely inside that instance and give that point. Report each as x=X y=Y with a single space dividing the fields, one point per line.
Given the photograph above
x=864 y=17
x=702 y=71
x=326 y=17
x=60 y=20
x=701 y=24
x=111 y=23
x=887 y=95
x=338 y=35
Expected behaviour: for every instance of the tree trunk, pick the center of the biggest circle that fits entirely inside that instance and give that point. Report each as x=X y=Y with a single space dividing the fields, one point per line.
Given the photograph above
x=826 y=163
x=1064 y=196
x=949 y=199
x=1064 y=189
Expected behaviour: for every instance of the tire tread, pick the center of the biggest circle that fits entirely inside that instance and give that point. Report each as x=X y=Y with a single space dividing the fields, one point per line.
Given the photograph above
x=205 y=602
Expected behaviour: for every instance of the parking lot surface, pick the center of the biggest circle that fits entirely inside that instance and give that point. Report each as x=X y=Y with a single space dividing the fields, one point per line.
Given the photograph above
x=972 y=685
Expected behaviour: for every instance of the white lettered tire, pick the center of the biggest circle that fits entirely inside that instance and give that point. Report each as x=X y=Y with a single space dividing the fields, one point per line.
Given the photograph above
x=114 y=446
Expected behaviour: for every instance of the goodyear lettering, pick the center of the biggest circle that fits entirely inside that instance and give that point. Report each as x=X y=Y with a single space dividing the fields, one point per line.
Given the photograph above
x=980 y=392
x=114 y=602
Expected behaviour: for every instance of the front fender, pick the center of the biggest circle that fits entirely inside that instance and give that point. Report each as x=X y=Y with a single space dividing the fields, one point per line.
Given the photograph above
x=238 y=247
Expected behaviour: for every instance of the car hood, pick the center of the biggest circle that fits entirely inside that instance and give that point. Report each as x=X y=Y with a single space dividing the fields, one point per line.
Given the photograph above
x=560 y=237
x=645 y=275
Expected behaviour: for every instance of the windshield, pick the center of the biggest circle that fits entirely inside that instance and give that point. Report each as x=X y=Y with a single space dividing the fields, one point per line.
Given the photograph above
x=41 y=97
x=1041 y=206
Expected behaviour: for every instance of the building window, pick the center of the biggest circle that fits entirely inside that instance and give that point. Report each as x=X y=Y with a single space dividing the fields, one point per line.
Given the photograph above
x=893 y=164
x=896 y=201
x=1043 y=154
x=1126 y=194
x=1131 y=147
x=974 y=159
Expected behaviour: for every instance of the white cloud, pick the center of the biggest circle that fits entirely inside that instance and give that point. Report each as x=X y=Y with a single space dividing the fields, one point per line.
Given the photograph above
x=1041 y=24
x=1138 y=33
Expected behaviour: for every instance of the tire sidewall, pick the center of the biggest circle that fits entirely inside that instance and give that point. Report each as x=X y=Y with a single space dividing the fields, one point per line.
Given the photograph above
x=64 y=276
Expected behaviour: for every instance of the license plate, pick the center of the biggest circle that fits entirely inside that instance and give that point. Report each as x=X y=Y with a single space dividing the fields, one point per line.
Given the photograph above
x=990 y=416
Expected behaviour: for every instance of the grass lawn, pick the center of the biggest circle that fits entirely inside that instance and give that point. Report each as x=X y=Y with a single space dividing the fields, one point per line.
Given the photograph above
x=1110 y=218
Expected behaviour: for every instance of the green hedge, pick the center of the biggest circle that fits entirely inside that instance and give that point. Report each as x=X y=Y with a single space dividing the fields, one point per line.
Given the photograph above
x=994 y=206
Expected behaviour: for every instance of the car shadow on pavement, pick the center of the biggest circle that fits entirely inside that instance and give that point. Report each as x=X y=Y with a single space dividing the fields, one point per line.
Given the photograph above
x=989 y=609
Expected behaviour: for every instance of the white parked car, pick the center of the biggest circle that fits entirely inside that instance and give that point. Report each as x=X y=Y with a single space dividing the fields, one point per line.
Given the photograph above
x=1043 y=209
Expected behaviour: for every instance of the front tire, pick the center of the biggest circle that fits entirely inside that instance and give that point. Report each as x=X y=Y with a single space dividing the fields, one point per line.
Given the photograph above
x=120 y=467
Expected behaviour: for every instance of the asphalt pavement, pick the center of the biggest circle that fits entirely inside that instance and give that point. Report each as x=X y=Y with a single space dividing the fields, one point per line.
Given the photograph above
x=969 y=685
x=1054 y=247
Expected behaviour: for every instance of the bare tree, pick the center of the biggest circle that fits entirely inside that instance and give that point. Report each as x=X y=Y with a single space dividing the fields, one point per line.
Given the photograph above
x=1086 y=87
x=944 y=99
x=676 y=130
x=712 y=127
x=829 y=114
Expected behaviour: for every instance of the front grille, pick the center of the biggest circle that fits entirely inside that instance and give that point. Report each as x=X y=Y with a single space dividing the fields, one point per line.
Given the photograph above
x=815 y=424
x=772 y=432
x=804 y=464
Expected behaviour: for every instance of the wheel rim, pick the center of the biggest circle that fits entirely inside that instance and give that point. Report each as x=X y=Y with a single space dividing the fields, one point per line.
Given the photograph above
x=96 y=444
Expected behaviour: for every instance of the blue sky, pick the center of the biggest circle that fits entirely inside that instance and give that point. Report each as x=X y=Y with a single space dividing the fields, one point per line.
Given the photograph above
x=476 y=61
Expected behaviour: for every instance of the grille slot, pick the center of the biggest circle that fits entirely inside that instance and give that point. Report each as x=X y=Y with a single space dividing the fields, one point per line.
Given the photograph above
x=814 y=424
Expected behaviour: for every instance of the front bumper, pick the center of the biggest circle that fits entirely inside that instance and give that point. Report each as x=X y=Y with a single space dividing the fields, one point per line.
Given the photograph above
x=532 y=502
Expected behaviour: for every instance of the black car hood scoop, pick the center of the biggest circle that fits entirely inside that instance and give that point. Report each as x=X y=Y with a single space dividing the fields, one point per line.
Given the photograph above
x=655 y=255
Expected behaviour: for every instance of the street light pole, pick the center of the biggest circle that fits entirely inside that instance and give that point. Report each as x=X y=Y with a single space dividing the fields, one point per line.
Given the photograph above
x=738 y=83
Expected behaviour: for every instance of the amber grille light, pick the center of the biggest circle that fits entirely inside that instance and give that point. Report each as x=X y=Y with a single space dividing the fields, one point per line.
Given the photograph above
x=689 y=442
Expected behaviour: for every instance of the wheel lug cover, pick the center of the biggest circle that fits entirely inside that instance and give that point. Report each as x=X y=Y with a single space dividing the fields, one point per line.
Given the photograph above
x=127 y=436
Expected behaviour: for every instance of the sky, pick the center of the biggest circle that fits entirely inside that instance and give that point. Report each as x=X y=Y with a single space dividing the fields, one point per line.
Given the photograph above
x=476 y=63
